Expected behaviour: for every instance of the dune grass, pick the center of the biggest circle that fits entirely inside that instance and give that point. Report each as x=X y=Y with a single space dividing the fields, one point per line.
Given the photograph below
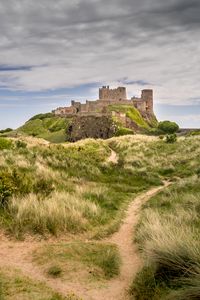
x=13 y=285
x=51 y=189
x=168 y=236
x=54 y=189
x=56 y=213
x=97 y=261
x=149 y=155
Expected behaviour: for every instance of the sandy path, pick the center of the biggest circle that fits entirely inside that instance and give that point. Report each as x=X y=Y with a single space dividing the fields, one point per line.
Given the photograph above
x=19 y=255
x=131 y=261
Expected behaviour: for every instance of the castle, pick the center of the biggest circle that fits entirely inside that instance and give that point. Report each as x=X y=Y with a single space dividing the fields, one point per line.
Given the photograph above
x=109 y=97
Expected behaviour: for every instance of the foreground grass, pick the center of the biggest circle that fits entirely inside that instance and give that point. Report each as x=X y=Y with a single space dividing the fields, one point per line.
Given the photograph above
x=95 y=260
x=13 y=285
x=51 y=189
x=168 y=236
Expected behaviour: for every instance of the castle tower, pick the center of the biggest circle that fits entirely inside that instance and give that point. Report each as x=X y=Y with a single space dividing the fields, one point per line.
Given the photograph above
x=147 y=96
x=105 y=93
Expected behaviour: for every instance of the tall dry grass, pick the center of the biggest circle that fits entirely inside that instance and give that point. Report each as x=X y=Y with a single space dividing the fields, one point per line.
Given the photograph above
x=57 y=213
x=168 y=236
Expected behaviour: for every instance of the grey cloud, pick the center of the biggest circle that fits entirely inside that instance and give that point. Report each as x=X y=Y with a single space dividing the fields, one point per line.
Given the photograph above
x=76 y=42
x=183 y=13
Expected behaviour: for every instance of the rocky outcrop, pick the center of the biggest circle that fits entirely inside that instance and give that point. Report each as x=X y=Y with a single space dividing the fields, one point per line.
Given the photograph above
x=83 y=127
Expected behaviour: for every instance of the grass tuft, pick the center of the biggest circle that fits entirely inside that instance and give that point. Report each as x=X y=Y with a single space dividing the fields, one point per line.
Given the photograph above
x=99 y=261
x=54 y=271
x=168 y=236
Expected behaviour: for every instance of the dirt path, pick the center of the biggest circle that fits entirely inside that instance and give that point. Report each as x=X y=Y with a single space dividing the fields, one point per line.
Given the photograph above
x=18 y=255
x=131 y=262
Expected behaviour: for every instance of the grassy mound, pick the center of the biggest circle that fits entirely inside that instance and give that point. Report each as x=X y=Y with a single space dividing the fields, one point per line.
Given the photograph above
x=46 y=126
x=97 y=261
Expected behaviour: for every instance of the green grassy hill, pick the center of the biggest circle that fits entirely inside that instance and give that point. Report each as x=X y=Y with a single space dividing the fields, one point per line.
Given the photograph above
x=46 y=126
x=143 y=124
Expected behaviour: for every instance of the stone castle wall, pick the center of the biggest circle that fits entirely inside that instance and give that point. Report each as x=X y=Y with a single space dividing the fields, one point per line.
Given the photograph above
x=108 y=97
x=105 y=93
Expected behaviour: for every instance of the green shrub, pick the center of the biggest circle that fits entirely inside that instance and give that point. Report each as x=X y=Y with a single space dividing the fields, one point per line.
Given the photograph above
x=5 y=144
x=171 y=138
x=43 y=186
x=20 y=144
x=168 y=127
x=7 y=187
x=54 y=271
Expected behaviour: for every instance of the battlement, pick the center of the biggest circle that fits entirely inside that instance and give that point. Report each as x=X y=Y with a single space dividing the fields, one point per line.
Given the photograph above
x=105 y=93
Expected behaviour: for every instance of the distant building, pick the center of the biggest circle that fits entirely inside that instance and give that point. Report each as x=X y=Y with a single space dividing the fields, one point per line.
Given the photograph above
x=108 y=97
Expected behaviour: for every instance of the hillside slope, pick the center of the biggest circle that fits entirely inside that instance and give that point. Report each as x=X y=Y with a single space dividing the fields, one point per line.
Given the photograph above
x=57 y=129
x=46 y=126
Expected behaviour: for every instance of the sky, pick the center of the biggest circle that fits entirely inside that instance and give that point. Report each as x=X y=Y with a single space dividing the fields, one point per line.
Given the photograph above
x=54 y=51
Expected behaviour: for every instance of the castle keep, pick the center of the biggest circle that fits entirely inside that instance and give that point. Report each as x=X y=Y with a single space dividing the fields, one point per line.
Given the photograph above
x=108 y=97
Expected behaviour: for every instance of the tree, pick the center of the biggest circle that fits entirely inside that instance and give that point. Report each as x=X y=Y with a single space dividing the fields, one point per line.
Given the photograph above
x=168 y=127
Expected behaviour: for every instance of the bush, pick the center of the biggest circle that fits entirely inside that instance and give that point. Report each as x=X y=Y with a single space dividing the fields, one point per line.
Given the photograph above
x=5 y=144
x=20 y=144
x=43 y=186
x=171 y=138
x=7 y=187
x=168 y=127
x=54 y=271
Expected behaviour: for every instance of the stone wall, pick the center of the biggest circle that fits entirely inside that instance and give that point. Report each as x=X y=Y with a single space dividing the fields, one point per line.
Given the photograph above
x=64 y=111
x=108 y=97
x=105 y=93
x=147 y=96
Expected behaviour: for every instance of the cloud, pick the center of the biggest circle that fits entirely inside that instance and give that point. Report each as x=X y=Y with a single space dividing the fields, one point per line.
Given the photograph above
x=181 y=12
x=5 y=68
x=48 y=45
